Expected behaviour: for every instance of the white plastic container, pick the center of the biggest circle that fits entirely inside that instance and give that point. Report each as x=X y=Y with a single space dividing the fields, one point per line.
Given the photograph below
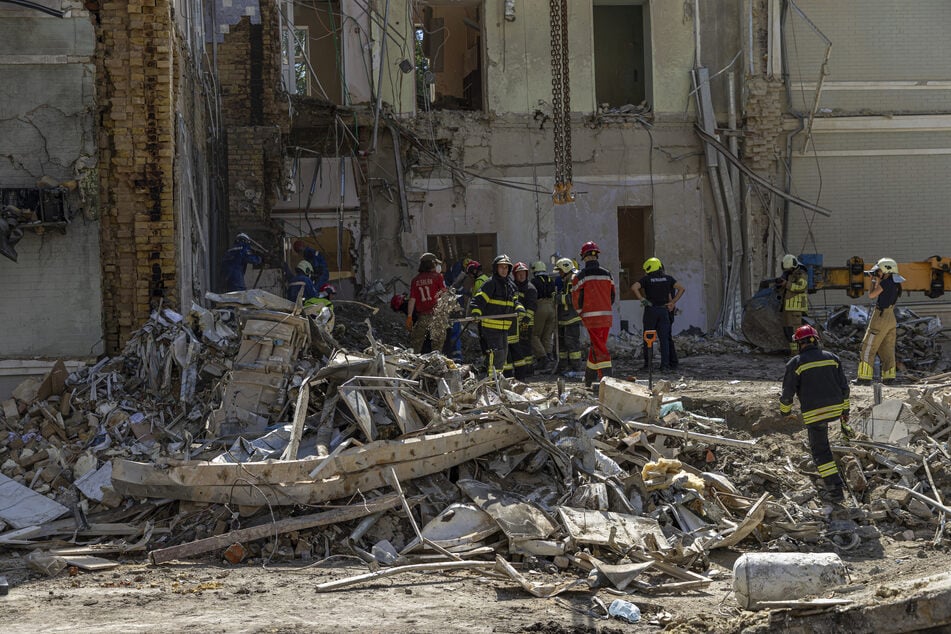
x=761 y=577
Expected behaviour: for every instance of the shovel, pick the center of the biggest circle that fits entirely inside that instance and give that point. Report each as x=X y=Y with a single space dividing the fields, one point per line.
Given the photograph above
x=650 y=336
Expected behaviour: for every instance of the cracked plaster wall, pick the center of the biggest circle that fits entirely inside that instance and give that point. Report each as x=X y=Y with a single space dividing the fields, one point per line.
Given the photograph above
x=52 y=295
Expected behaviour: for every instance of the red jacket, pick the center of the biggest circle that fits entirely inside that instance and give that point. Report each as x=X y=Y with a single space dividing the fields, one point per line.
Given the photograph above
x=593 y=295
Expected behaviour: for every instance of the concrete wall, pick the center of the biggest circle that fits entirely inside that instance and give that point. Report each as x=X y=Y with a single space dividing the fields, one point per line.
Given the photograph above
x=52 y=295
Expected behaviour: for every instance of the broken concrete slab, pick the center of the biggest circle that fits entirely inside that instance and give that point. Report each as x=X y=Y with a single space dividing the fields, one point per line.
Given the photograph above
x=624 y=400
x=618 y=530
x=517 y=518
x=21 y=507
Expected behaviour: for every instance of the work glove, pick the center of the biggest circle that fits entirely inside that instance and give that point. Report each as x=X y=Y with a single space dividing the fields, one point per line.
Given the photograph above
x=645 y=303
x=847 y=432
x=409 y=322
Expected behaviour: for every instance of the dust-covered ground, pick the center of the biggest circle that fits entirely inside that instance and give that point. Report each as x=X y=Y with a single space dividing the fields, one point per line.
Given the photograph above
x=210 y=595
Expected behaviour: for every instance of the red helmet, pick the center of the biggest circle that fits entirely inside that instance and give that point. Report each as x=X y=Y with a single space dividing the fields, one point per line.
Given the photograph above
x=328 y=288
x=520 y=266
x=473 y=267
x=589 y=247
x=298 y=246
x=396 y=302
x=804 y=333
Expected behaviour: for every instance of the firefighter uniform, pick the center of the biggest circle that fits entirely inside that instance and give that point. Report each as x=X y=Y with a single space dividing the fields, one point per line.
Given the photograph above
x=816 y=377
x=545 y=319
x=593 y=295
x=521 y=350
x=496 y=296
x=880 y=335
x=569 y=328
x=795 y=303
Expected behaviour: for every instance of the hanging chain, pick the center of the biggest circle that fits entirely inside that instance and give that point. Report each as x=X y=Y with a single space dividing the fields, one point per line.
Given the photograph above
x=561 y=100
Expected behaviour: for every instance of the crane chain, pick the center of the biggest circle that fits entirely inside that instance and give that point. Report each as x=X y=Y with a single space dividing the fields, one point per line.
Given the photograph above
x=561 y=100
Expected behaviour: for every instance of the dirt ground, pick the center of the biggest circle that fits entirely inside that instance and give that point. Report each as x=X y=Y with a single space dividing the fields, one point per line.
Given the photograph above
x=210 y=595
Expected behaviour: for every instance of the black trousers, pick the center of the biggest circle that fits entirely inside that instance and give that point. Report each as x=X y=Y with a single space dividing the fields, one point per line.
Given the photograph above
x=822 y=455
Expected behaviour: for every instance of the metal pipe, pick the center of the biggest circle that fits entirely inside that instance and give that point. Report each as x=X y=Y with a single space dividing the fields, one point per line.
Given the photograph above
x=696 y=32
x=379 y=82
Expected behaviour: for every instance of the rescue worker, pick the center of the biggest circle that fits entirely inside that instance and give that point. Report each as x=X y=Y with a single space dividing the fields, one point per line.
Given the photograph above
x=880 y=334
x=497 y=296
x=569 y=322
x=479 y=278
x=317 y=261
x=593 y=296
x=324 y=299
x=659 y=294
x=793 y=284
x=300 y=284
x=545 y=319
x=521 y=351
x=236 y=260
x=424 y=292
x=816 y=377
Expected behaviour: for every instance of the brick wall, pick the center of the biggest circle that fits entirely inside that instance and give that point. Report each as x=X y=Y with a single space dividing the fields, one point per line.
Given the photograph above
x=137 y=128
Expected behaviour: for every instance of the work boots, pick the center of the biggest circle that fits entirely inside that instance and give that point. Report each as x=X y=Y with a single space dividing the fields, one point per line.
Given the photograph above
x=590 y=376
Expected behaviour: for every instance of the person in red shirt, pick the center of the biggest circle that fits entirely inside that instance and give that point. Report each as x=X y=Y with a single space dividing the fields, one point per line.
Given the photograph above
x=424 y=291
x=593 y=297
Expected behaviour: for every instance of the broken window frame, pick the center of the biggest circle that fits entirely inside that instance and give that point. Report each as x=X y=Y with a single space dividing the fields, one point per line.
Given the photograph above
x=430 y=65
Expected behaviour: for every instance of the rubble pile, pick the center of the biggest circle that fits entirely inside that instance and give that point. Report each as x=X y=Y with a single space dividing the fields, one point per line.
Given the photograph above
x=917 y=349
x=249 y=432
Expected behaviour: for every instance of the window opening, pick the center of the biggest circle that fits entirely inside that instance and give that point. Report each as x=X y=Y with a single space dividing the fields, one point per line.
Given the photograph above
x=621 y=54
x=635 y=244
x=449 y=56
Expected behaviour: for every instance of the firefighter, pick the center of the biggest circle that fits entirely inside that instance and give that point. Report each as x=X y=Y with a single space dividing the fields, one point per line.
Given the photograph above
x=424 y=292
x=816 y=377
x=545 y=319
x=300 y=284
x=521 y=351
x=662 y=294
x=593 y=296
x=324 y=299
x=880 y=334
x=236 y=260
x=497 y=296
x=569 y=322
x=793 y=284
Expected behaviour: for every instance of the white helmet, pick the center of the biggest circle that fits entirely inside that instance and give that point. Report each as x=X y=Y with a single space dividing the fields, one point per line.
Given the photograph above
x=305 y=267
x=790 y=262
x=565 y=265
x=886 y=265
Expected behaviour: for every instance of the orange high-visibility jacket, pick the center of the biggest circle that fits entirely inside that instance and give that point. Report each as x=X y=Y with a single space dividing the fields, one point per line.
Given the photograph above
x=593 y=295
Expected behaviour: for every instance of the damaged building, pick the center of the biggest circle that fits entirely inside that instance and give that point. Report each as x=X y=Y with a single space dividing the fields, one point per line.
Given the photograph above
x=142 y=136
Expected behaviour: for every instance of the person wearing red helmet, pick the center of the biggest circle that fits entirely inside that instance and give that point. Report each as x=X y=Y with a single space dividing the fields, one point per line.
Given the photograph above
x=816 y=377
x=593 y=296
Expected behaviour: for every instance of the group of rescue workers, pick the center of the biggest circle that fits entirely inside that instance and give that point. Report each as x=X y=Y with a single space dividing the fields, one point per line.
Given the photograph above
x=816 y=376
x=534 y=324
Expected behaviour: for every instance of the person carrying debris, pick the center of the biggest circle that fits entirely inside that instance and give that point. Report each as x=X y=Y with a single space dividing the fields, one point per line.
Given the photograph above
x=879 y=336
x=545 y=319
x=569 y=322
x=497 y=296
x=300 y=284
x=593 y=296
x=318 y=262
x=236 y=260
x=816 y=377
x=662 y=294
x=521 y=350
x=793 y=284
x=424 y=292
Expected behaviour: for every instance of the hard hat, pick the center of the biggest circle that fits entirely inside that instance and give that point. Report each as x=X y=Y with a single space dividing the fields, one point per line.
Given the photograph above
x=539 y=267
x=652 y=264
x=564 y=265
x=242 y=237
x=501 y=259
x=520 y=266
x=396 y=302
x=804 y=333
x=298 y=246
x=887 y=265
x=473 y=267
x=328 y=288
x=588 y=248
x=790 y=262
x=428 y=256
x=305 y=267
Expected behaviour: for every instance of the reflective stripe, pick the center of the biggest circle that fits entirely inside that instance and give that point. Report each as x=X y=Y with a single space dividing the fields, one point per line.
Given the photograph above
x=888 y=374
x=822 y=413
x=865 y=371
x=568 y=322
x=599 y=366
x=497 y=324
x=827 y=469
x=815 y=364
x=597 y=313
x=785 y=409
